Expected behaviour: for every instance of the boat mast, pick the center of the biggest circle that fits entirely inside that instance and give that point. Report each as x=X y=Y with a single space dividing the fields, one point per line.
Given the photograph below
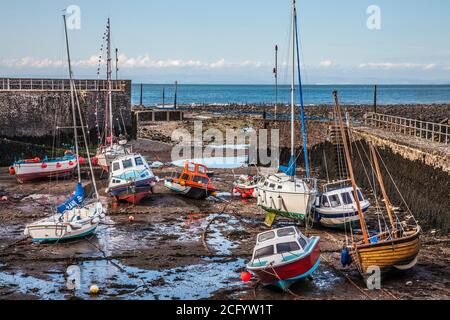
x=350 y=168
x=302 y=107
x=292 y=160
x=109 y=76
x=72 y=98
x=383 y=189
x=275 y=71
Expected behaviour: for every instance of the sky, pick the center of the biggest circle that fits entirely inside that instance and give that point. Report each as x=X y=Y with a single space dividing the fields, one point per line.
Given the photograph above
x=232 y=41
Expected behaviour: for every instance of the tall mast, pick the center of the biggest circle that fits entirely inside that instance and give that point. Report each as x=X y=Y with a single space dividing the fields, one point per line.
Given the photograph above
x=350 y=168
x=72 y=98
x=302 y=107
x=109 y=76
x=117 y=64
x=383 y=189
x=293 y=88
x=275 y=71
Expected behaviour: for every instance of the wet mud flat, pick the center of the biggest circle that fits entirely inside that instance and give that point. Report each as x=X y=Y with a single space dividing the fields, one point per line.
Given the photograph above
x=178 y=248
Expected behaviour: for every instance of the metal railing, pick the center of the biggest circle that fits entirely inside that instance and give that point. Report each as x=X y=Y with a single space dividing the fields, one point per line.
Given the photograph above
x=430 y=131
x=13 y=84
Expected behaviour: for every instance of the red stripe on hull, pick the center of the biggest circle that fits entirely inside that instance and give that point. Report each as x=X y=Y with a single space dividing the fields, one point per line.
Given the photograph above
x=134 y=198
x=42 y=175
x=292 y=270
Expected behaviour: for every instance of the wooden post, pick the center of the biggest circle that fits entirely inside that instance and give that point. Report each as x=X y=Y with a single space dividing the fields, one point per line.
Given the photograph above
x=375 y=99
x=381 y=182
x=176 y=93
x=142 y=89
x=350 y=169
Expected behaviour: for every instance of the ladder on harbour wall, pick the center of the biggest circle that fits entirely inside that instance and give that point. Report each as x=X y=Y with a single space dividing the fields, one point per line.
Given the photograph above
x=335 y=137
x=434 y=132
x=58 y=85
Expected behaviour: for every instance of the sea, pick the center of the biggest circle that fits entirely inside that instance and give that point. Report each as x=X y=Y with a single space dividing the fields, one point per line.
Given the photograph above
x=265 y=94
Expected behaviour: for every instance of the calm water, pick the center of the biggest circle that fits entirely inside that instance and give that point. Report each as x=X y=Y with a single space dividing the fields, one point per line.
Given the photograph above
x=313 y=94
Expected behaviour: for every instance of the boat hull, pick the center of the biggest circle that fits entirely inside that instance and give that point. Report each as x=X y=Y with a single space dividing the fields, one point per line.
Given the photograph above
x=395 y=254
x=189 y=191
x=133 y=192
x=285 y=275
x=341 y=219
x=35 y=171
x=60 y=232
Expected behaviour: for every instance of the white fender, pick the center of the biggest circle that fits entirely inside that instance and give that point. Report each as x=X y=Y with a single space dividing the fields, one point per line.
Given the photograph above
x=255 y=194
x=279 y=203
x=102 y=216
x=26 y=232
x=96 y=220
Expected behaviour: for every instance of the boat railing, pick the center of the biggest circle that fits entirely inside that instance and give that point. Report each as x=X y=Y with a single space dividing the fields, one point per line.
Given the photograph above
x=435 y=132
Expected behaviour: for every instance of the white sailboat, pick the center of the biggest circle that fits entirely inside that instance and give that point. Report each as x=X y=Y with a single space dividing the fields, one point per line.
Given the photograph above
x=113 y=147
x=283 y=193
x=78 y=216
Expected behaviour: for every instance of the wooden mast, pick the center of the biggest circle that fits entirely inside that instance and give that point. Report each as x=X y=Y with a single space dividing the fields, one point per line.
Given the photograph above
x=109 y=76
x=383 y=189
x=350 y=168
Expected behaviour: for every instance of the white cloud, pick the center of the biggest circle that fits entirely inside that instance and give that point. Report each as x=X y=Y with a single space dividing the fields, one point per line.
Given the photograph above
x=391 y=66
x=327 y=64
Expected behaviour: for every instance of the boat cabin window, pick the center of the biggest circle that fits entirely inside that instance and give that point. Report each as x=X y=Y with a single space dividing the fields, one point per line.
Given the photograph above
x=264 y=252
x=201 y=170
x=116 y=166
x=191 y=167
x=139 y=161
x=334 y=200
x=303 y=242
x=286 y=232
x=266 y=236
x=360 y=196
x=272 y=186
x=201 y=180
x=127 y=164
x=280 y=187
x=347 y=198
x=287 y=247
x=325 y=202
x=185 y=177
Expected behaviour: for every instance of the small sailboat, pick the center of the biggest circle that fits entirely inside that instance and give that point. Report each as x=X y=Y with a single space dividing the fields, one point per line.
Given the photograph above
x=79 y=216
x=113 y=147
x=336 y=207
x=284 y=256
x=283 y=193
x=36 y=169
x=131 y=179
x=395 y=247
x=194 y=182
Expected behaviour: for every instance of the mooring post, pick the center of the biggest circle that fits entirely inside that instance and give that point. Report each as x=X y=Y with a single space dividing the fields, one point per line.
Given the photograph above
x=142 y=89
x=375 y=99
x=176 y=89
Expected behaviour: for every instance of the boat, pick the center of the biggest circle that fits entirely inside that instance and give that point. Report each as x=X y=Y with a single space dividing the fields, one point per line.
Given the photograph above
x=194 y=182
x=284 y=256
x=336 y=208
x=284 y=194
x=112 y=147
x=395 y=246
x=37 y=168
x=245 y=186
x=81 y=214
x=131 y=179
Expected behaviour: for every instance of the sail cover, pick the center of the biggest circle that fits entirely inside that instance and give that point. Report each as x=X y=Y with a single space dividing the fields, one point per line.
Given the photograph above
x=75 y=201
x=291 y=169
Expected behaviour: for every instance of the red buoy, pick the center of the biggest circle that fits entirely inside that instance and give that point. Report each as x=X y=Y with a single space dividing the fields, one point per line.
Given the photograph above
x=58 y=165
x=44 y=166
x=246 y=276
x=71 y=163
x=12 y=171
x=94 y=161
x=81 y=160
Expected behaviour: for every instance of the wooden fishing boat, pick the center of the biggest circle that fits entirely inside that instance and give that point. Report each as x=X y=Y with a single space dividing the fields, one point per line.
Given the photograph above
x=398 y=247
x=131 y=179
x=336 y=208
x=245 y=186
x=35 y=169
x=284 y=256
x=194 y=182
x=79 y=216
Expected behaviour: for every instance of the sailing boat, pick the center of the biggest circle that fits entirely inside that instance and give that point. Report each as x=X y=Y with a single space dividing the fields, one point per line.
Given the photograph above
x=396 y=248
x=77 y=217
x=113 y=147
x=283 y=193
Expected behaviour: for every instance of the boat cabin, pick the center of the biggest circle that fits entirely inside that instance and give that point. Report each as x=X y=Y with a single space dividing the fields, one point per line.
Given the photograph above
x=279 y=246
x=130 y=167
x=283 y=183
x=195 y=174
x=338 y=194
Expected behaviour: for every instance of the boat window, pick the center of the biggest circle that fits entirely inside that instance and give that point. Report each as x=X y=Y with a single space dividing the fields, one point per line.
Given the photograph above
x=264 y=252
x=185 y=176
x=347 y=198
x=272 y=186
x=201 y=170
x=360 y=196
x=280 y=187
x=266 y=236
x=116 y=166
x=286 y=232
x=127 y=164
x=325 y=202
x=266 y=184
x=287 y=247
x=303 y=242
x=139 y=161
x=191 y=167
x=334 y=200
x=201 y=180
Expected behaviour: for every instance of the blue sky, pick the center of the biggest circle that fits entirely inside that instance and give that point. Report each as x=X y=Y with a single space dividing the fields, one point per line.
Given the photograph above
x=212 y=41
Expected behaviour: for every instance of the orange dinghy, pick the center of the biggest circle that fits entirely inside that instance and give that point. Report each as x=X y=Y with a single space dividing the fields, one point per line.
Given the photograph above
x=193 y=183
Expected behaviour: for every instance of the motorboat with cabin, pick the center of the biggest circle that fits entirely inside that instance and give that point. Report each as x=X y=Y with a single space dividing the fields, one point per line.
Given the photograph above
x=284 y=256
x=131 y=179
x=194 y=182
x=336 y=206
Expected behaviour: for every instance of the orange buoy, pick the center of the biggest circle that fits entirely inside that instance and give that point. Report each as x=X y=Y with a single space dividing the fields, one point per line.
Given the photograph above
x=12 y=171
x=246 y=276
